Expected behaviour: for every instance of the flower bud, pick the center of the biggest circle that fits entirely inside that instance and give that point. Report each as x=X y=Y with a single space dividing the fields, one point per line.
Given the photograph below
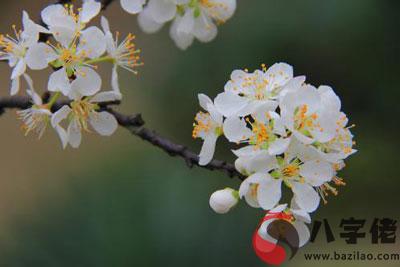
x=222 y=201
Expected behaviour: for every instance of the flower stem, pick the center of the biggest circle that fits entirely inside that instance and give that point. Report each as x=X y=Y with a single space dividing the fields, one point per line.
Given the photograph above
x=53 y=99
x=98 y=60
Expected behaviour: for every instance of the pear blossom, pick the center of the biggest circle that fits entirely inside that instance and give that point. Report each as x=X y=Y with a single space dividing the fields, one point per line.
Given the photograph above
x=264 y=131
x=75 y=48
x=82 y=113
x=158 y=12
x=207 y=126
x=222 y=201
x=37 y=117
x=263 y=187
x=342 y=144
x=15 y=49
x=64 y=24
x=192 y=19
x=289 y=132
x=198 y=20
x=294 y=215
x=311 y=114
x=245 y=91
x=124 y=55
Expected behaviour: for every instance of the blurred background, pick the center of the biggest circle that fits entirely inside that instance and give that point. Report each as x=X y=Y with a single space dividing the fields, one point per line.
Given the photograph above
x=121 y=202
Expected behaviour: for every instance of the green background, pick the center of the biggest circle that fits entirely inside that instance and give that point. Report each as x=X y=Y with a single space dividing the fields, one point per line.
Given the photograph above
x=121 y=202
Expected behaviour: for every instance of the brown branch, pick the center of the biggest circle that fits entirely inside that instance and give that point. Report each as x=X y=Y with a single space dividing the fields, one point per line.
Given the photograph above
x=134 y=124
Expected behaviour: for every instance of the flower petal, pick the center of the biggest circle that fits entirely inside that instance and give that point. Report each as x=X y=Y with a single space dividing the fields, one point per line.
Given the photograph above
x=204 y=29
x=19 y=69
x=147 y=23
x=115 y=82
x=162 y=10
x=269 y=192
x=303 y=232
x=15 y=84
x=182 y=40
x=204 y=101
x=90 y=9
x=329 y=99
x=186 y=23
x=279 y=146
x=105 y=97
x=133 y=6
x=103 y=122
x=316 y=172
x=92 y=42
x=208 y=149
x=50 y=14
x=74 y=134
x=305 y=196
x=56 y=118
x=59 y=82
x=105 y=24
x=39 y=55
x=235 y=129
x=60 y=115
x=229 y=104
x=87 y=82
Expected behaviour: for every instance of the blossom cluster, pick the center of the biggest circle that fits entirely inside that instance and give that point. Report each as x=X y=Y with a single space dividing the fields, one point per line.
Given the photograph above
x=73 y=53
x=289 y=133
x=191 y=19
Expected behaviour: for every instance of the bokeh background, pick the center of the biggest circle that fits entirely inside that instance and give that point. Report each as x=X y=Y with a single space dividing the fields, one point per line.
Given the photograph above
x=121 y=202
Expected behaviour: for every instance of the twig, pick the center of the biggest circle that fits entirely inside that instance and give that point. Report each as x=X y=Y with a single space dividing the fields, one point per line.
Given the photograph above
x=134 y=124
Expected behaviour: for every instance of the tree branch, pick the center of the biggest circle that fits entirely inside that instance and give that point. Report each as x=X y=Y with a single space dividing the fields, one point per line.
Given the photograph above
x=135 y=123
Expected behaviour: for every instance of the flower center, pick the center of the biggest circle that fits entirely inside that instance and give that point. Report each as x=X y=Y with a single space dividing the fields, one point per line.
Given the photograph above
x=214 y=9
x=202 y=125
x=35 y=119
x=81 y=110
x=69 y=57
x=290 y=171
x=262 y=134
x=127 y=55
x=304 y=121
x=11 y=45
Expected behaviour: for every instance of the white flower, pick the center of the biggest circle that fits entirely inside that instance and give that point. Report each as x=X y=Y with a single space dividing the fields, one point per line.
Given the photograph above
x=296 y=216
x=191 y=18
x=341 y=146
x=263 y=131
x=208 y=126
x=76 y=47
x=14 y=50
x=37 y=117
x=311 y=114
x=65 y=24
x=82 y=113
x=263 y=187
x=158 y=12
x=197 y=20
x=124 y=55
x=222 y=201
x=245 y=92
